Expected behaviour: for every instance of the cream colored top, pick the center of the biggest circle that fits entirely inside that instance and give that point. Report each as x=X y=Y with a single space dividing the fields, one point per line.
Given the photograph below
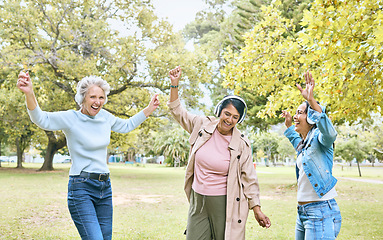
x=306 y=192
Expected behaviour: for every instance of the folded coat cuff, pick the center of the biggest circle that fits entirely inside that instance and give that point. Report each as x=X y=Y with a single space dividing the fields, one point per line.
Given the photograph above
x=253 y=203
x=174 y=104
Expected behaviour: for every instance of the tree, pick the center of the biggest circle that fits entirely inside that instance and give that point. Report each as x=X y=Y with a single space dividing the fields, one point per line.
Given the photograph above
x=17 y=127
x=285 y=149
x=267 y=142
x=374 y=128
x=340 y=44
x=60 y=42
x=216 y=31
x=3 y=139
x=268 y=64
x=354 y=142
x=173 y=143
x=347 y=42
x=351 y=149
x=368 y=132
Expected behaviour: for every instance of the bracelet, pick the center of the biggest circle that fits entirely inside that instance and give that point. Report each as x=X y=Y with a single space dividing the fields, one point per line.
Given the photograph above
x=176 y=86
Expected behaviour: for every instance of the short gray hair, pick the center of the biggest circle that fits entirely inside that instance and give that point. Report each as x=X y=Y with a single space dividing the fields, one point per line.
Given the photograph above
x=84 y=85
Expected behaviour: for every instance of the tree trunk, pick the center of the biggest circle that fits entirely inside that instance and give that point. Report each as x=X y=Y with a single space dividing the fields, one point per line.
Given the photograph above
x=48 y=158
x=54 y=145
x=360 y=173
x=19 y=154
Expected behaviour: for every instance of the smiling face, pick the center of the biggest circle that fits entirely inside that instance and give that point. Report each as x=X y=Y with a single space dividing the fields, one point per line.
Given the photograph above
x=300 y=120
x=93 y=101
x=227 y=119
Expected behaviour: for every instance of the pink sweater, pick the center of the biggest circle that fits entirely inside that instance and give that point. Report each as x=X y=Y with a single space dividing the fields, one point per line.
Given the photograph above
x=211 y=167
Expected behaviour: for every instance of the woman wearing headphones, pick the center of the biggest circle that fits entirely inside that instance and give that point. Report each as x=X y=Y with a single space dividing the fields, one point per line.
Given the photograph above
x=220 y=183
x=313 y=136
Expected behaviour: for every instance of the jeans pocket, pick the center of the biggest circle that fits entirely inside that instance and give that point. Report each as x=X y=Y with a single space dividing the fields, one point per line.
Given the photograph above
x=337 y=225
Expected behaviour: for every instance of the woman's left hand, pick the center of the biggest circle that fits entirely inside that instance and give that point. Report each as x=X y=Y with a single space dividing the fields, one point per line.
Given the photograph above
x=308 y=92
x=154 y=103
x=261 y=218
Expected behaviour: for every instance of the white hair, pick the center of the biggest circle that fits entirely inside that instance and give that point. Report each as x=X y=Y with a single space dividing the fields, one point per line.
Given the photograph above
x=84 y=85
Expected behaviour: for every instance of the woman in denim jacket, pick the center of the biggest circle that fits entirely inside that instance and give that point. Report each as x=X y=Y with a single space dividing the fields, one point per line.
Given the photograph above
x=313 y=136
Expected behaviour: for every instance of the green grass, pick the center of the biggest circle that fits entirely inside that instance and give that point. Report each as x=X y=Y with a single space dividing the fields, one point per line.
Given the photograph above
x=149 y=203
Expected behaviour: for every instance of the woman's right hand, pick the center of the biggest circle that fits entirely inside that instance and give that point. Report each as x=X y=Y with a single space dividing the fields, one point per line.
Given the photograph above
x=175 y=75
x=288 y=119
x=24 y=83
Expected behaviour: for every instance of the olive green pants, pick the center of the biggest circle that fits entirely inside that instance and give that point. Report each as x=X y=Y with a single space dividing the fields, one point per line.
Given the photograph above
x=207 y=217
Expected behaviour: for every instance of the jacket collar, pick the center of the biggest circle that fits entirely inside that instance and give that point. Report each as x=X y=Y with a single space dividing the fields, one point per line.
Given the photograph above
x=304 y=143
x=235 y=137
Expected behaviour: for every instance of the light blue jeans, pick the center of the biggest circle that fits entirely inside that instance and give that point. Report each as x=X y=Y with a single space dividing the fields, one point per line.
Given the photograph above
x=90 y=205
x=318 y=220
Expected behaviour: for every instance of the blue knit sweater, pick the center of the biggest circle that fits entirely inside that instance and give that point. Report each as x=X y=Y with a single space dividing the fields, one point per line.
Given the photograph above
x=87 y=136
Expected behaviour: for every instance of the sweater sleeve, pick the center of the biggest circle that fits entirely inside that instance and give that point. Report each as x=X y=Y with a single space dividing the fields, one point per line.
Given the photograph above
x=51 y=121
x=126 y=125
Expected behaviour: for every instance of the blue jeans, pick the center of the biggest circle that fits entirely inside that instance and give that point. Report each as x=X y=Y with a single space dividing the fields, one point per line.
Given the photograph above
x=318 y=220
x=90 y=205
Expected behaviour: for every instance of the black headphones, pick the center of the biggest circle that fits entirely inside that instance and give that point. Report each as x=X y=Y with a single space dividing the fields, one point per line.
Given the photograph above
x=218 y=108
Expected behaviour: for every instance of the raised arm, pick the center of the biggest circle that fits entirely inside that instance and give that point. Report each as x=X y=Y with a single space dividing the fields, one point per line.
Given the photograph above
x=308 y=92
x=51 y=121
x=182 y=116
x=24 y=83
x=175 y=75
x=328 y=133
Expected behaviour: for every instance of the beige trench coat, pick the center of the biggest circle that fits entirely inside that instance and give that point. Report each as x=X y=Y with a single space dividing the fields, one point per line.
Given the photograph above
x=242 y=181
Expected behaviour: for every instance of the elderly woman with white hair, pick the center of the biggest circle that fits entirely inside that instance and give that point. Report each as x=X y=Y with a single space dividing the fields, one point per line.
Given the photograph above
x=88 y=135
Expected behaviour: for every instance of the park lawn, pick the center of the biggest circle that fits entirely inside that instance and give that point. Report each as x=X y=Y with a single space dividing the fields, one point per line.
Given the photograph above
x=149 y=203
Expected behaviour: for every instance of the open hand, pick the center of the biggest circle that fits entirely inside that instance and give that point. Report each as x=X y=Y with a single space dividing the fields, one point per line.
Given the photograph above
x=288 y=119
x=308 y=92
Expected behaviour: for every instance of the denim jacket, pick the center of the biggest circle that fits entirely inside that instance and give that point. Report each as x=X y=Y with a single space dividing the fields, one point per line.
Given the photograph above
x=317 y=154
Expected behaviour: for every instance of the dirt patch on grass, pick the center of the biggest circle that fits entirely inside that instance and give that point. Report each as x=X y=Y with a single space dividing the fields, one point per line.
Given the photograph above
x=362 y=180
x=284 y=192
x=128 y=199
x=47 y=217
x=27 y=170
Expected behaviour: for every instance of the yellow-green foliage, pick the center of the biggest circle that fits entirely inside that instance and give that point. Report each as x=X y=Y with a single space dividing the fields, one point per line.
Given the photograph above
x=341 y=44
